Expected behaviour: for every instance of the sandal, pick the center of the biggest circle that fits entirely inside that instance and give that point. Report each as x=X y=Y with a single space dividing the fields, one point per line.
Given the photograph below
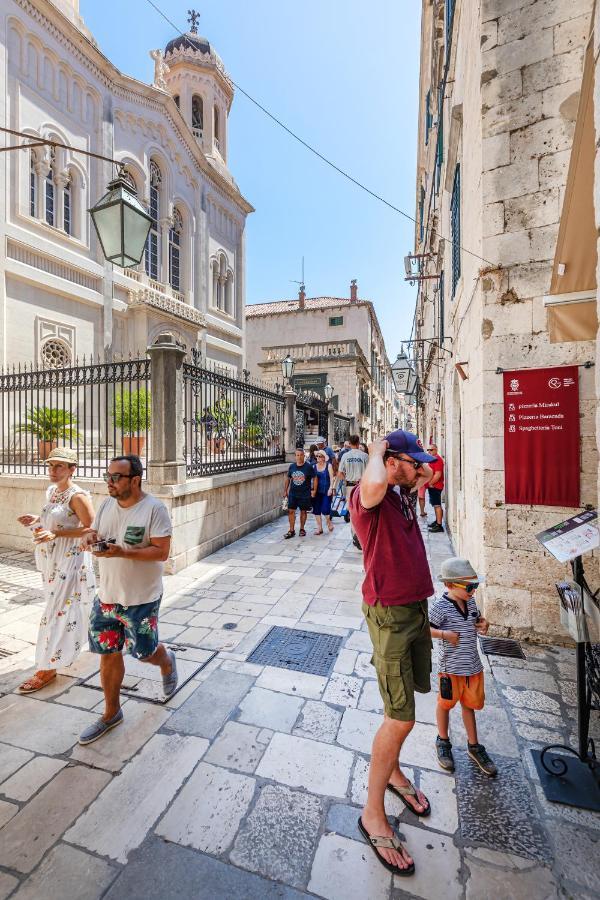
x=319 y=532
x=289 y=535
x=330 y=526
x=302 y=532
x=410 y=790
x=35 y=683
x=388 y=844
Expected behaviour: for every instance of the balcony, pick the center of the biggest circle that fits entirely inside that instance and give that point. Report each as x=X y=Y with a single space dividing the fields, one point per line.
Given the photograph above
x=157 y=295
x=324 y=350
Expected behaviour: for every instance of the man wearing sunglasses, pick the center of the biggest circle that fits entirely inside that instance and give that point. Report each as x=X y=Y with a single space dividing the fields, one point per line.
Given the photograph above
x=131 y=538
x=395 y=590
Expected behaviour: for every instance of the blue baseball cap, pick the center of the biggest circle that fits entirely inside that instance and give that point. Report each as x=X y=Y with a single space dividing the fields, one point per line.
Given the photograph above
x=405 y=442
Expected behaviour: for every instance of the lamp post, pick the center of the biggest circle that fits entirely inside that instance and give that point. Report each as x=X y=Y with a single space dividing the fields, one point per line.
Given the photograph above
x=287 y=369
x=122 y=224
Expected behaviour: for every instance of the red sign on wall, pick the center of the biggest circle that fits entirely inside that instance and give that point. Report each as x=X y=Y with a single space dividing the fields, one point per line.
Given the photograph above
x=541 y=436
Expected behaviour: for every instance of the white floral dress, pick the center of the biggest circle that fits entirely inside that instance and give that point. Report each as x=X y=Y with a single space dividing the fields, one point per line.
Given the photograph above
x=69 y=585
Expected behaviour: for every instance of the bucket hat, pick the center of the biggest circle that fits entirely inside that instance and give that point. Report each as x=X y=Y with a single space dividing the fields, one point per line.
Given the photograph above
x=458 y=569
x=63 y=454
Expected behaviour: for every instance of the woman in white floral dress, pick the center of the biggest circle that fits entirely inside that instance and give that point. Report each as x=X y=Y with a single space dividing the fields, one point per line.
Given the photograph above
x=67 y=572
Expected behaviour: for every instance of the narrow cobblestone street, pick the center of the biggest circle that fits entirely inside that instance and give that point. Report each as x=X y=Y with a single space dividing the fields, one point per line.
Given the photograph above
x=249 y=782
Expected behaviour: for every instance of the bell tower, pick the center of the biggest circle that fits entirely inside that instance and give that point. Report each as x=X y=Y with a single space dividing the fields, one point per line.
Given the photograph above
x=201 y=88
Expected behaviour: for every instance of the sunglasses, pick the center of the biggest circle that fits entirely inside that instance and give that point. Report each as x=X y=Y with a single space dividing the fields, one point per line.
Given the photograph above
x=411 y=462
x=470 y=587
x=115 y=477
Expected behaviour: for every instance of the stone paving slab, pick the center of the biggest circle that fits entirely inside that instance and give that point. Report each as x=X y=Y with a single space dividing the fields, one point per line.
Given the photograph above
x=347 y=870
x=128 y=807
x=68 y=874
x=299 y=762
x=270 y=709
x=171 y=872
x=211 y=704
x=31 y=777
x=11 y=759
x=7 y=884
x=44 y=820
x=42 y=727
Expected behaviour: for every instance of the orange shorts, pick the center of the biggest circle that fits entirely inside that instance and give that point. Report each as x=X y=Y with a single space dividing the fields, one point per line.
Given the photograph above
x=466 y=689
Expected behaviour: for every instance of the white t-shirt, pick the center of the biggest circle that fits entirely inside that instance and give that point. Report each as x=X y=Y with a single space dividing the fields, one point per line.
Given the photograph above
x=126 y=581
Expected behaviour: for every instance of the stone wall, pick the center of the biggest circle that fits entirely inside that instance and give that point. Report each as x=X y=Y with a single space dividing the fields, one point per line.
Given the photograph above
x=207 y=513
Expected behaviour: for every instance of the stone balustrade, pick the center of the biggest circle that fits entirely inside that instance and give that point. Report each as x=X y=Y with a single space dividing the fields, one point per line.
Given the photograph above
x=318 y=350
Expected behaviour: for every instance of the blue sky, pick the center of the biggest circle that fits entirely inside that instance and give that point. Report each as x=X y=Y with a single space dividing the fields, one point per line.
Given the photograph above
x=344 y=75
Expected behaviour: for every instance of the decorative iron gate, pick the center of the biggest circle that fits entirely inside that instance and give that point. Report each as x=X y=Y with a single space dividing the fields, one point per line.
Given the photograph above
x=311 y=418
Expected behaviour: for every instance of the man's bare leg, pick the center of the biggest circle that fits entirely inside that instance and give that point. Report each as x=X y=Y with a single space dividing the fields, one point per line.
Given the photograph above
x=112 y=671
x=161 y=658
x=422 y=505
x=303 y=515
x=292 y=519
x=384 y=760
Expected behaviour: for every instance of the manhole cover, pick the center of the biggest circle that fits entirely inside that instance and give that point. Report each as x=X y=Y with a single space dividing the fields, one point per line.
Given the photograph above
x=301 y=651
x=229 y=626
x=144 y=682
x=501 y=647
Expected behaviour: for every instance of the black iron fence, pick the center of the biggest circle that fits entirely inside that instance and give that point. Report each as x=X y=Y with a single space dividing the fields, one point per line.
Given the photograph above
x=311 y=418
x=230 y=424
x=100 y=409
x=341 y=428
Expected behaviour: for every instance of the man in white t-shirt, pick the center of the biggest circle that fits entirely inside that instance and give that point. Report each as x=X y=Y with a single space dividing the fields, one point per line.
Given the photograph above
x=352 y=466
x=135 y=529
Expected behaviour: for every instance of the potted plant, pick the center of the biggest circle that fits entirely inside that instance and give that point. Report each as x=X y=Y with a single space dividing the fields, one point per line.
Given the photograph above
x=49 y=425
x=131 y=414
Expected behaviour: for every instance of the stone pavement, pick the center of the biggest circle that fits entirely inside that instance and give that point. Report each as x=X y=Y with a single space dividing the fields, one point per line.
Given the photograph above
x=249 y=782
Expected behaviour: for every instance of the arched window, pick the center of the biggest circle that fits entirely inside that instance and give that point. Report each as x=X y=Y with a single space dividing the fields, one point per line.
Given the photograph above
x=68 y=206
x=197 y=116
x=221 y=282
x=216 y=126
x=215 y=282
x=153 y=240
x=229 y=293
x=175 y=235
x=32 y=185
x=49 y=191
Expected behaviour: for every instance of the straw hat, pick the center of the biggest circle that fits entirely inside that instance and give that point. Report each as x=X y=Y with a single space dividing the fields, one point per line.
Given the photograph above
x=63 y=454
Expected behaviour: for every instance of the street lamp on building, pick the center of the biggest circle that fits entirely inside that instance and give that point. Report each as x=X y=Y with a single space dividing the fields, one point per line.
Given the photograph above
x=403 y=374
x=287 y=368
x=328 y=391
x=122 y=224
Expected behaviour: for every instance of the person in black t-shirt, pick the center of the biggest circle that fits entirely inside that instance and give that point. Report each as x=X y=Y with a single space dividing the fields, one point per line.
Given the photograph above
x=300 y=481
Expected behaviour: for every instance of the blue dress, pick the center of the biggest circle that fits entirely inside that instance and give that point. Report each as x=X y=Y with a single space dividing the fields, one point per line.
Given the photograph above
x=322 y=501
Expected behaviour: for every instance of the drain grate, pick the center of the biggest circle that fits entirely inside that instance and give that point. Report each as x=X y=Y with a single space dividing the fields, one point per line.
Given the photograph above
x=300 y=651
x=501 y=647
x=4 y=653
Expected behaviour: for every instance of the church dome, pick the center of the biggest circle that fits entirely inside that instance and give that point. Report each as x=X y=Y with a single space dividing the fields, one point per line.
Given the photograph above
x=188 y=41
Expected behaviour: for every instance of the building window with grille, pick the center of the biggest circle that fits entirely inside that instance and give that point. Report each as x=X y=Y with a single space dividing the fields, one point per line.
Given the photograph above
x=175 y=235
x=441 y=289
x=153 y=239
x=55 y=354
x=49 y=192
x=67 y=207
x=455 y=229
x=428 y=116
x=449 y=20
x=422 y=214
x=439 y=150
x=32 y=186
x=216 y=127
x=336 y=320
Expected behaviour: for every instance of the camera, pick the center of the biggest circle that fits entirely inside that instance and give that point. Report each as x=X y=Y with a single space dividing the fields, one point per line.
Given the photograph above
x=102 y=546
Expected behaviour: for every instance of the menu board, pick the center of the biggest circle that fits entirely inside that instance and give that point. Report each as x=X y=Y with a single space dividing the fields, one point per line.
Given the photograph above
x=573 y=537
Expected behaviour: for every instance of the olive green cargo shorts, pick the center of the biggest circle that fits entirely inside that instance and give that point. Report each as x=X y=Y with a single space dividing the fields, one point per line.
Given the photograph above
x=401 y=655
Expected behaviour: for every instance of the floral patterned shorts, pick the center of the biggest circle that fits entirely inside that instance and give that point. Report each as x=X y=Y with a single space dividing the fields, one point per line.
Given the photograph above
x=114 y=628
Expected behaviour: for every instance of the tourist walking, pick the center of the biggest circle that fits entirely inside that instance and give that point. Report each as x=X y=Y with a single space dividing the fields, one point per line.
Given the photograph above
x=322 y=492
x=332 y=458
x=343 y=450
x=352 y=466
x=435 y=488
x=299 y=484
x=395 y=590
x=67 y=572
x=456 y=622
x=131 y=539
x=312 y=455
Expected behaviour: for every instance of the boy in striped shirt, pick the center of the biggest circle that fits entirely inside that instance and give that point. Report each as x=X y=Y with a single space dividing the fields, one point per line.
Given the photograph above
x=456 y=621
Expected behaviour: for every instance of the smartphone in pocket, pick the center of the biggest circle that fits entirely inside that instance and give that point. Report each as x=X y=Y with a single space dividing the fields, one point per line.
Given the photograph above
x=445 y=687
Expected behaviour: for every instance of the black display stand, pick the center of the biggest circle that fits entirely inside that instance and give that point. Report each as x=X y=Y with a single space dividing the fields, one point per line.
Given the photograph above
x=567 y=775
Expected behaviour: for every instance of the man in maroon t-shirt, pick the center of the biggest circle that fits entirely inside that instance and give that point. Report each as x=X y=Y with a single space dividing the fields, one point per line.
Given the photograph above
x=395 y=590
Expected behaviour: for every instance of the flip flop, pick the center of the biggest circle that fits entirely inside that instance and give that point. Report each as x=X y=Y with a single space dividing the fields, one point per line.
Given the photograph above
x=410 y=791
x=302 y=532
x=290 y=534
x=387 y=844
x=36 y=683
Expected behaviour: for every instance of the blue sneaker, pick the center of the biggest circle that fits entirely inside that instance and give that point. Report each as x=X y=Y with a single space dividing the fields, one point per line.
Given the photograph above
x=170 y=681
x=99 y=728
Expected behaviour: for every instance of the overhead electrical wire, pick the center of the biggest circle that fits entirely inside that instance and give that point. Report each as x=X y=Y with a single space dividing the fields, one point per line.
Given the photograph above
x=312 y=149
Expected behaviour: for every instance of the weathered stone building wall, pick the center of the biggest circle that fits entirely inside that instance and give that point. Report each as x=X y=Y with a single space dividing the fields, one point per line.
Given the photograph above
x=509 y=121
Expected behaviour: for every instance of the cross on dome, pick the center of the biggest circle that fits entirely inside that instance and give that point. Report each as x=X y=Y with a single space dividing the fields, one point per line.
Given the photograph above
x=193 y=19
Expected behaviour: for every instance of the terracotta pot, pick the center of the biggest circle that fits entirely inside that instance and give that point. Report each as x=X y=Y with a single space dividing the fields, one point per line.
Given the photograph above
x=44 y=448
x=133 y=443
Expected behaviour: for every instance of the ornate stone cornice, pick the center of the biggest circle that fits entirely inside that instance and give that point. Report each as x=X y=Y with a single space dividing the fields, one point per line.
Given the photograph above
x=166 y=304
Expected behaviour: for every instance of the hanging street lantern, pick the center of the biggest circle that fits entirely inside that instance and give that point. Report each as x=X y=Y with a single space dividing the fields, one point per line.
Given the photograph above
x=328 y=391
x=122 y=224
x=402 y=373
x=287 y=368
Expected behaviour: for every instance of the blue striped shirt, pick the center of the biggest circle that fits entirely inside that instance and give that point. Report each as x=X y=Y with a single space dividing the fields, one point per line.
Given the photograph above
x=463 y=659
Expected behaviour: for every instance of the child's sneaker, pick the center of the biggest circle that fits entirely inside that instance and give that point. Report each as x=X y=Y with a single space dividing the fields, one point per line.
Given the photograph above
x=479 y=754
x=444 y=754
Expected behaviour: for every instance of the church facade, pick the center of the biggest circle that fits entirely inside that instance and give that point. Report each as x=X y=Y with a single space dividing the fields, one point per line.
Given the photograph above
x=59 y=299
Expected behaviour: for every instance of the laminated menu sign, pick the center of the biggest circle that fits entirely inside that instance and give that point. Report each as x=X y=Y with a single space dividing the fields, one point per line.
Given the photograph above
x=541 y=436
x=573 y=537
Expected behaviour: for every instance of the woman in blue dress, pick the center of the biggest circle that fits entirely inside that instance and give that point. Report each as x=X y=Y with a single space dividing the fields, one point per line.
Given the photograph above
x=322 y=498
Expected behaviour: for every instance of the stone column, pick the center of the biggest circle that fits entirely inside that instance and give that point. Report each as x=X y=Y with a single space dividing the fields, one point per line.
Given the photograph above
x=330 y=425
x=167 y=462
x=290 y=423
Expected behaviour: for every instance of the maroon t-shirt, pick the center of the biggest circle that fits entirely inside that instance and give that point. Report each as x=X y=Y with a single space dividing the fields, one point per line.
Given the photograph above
x=396 y=567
